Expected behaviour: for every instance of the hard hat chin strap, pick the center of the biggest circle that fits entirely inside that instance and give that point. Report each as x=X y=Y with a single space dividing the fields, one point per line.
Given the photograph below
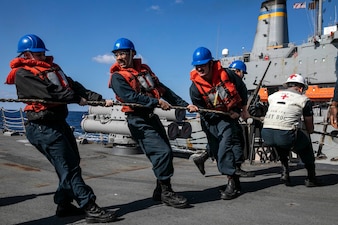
x=131 y=56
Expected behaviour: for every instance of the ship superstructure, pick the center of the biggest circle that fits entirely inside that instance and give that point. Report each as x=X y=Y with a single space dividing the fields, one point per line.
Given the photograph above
x=315 y=60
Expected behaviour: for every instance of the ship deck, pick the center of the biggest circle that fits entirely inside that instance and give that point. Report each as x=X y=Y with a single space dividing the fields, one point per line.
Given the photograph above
x=125 y=183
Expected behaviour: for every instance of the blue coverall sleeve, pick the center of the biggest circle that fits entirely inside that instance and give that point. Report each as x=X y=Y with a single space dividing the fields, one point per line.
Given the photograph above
x=31 y=86
x=128 y=95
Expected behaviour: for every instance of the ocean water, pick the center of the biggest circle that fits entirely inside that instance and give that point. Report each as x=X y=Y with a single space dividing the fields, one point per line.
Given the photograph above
x=74 y=120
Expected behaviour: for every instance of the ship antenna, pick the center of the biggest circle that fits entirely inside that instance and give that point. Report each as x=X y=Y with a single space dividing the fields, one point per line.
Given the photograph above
x=217 y=42
x=335 y=15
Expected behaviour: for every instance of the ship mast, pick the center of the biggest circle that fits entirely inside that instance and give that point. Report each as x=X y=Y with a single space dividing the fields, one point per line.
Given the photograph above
x=319 y=16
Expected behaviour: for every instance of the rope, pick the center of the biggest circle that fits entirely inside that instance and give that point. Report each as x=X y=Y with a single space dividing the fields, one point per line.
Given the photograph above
x=102 y=103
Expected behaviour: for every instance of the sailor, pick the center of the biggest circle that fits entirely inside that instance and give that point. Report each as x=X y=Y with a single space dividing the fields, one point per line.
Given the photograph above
x=282 y=127
x=36 y=76
x=134 y=82
x=257 y=109
x=239 y=68
x=333 y=107
x=216 y=88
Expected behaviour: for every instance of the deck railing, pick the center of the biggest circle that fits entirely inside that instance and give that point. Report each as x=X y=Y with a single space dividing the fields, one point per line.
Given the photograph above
x=12 y=120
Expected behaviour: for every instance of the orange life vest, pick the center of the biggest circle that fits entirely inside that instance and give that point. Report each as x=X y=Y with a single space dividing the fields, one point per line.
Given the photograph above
x=140 y=78
x=44 y=70
x=222 y=94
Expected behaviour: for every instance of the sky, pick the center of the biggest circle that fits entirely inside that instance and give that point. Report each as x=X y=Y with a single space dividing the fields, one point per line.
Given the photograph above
x=80 y=34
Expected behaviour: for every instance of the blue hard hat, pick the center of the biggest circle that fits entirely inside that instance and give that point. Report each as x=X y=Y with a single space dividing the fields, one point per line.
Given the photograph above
x=123 y=44
x=201 y=56
x=238 y=64
x=31 y=43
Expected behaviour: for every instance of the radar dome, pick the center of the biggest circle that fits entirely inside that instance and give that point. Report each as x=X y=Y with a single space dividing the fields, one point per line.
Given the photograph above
x=225 y=52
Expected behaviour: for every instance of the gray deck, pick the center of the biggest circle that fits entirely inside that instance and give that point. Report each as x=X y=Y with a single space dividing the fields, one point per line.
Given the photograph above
x=126 y=182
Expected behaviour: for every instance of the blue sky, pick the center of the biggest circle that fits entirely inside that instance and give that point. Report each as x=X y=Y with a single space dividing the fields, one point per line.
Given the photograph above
x=80 y=35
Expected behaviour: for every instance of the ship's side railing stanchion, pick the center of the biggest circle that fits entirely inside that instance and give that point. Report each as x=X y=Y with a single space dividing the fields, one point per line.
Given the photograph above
x=13 y=121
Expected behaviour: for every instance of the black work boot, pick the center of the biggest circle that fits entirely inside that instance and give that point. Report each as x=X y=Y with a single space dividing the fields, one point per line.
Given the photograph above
x=96 y=214
x=200 y=160
x=243 y=173
x=157 y=192
x=170 y=198
x=285 y=176
x=311 y=180
x=233 y=188
x=237 y=184
x=68 y=209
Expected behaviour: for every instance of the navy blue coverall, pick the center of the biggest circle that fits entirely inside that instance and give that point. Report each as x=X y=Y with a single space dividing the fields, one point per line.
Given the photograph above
x=146 y=127
x=224 y=134
x=335 y=94
x=49 y=132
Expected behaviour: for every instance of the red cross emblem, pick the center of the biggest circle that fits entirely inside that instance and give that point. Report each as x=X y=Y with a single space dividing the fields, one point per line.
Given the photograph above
x=284 y=96
x=293 y=76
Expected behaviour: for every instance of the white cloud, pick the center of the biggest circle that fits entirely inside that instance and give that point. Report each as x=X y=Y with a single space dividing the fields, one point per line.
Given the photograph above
x=110 y=59
x=107 y=59
x=155 y=8
x=178 y=1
